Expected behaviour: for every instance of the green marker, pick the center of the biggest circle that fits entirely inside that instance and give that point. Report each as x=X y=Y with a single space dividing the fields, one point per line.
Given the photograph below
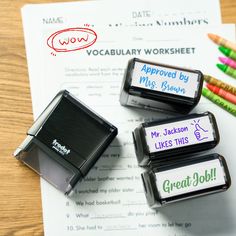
x=227 y=70
x=228 y=52
x=231 y=108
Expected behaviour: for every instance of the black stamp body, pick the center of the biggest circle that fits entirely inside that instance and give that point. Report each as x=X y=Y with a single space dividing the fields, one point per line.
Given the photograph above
x=65 y=142
x=160 y=87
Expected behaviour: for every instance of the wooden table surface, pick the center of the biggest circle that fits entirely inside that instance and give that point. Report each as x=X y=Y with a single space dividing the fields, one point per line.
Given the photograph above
x=20 y=199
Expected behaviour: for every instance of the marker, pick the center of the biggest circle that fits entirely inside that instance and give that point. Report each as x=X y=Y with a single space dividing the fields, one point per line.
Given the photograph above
x=227 y=87
x=224 y=94
x=228 y=61
x=221 y=41
x=231 y=108
x=228 y=52
x=227 y=70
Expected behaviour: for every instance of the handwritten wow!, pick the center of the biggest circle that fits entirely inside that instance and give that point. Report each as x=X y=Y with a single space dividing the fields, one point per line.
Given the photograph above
x=71 y=39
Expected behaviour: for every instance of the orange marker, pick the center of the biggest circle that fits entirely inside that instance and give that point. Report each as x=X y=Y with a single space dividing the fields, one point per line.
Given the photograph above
x=221 y=41
x=222 y=93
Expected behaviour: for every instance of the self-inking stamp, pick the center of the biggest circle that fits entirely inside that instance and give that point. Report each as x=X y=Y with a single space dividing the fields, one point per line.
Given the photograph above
x=160 y=87
x=188 y=178
x=65 y=142
x=169 y=138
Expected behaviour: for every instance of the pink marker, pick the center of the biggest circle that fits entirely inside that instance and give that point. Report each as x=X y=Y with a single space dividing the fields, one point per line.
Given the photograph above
x=228 y=61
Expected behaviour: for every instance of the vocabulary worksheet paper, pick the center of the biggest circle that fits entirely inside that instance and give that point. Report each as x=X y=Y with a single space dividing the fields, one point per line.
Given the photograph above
x=111 y=197
x=38 y=18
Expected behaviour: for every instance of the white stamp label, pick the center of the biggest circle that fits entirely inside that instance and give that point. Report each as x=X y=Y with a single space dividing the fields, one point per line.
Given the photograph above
x=164 y=79
x=190 y=178
x=179 y=134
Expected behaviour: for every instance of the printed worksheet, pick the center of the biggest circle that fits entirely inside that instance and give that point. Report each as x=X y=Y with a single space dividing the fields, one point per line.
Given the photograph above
x=89 y=60
x=111 y=198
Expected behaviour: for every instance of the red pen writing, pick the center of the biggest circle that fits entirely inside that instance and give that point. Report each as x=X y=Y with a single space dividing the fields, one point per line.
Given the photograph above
x=72 y=39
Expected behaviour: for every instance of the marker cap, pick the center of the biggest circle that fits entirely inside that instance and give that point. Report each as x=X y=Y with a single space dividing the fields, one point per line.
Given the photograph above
x=224 y=50
x=222 y=67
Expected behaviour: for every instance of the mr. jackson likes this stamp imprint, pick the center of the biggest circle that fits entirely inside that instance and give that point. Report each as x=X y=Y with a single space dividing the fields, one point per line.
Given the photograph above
x=179 y=134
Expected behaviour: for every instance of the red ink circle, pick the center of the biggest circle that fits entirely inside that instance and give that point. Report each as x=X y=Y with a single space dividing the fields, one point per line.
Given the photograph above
x=72 y=39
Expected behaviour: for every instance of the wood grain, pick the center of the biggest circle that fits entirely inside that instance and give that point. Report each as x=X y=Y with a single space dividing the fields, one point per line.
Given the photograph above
x=20 y=200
